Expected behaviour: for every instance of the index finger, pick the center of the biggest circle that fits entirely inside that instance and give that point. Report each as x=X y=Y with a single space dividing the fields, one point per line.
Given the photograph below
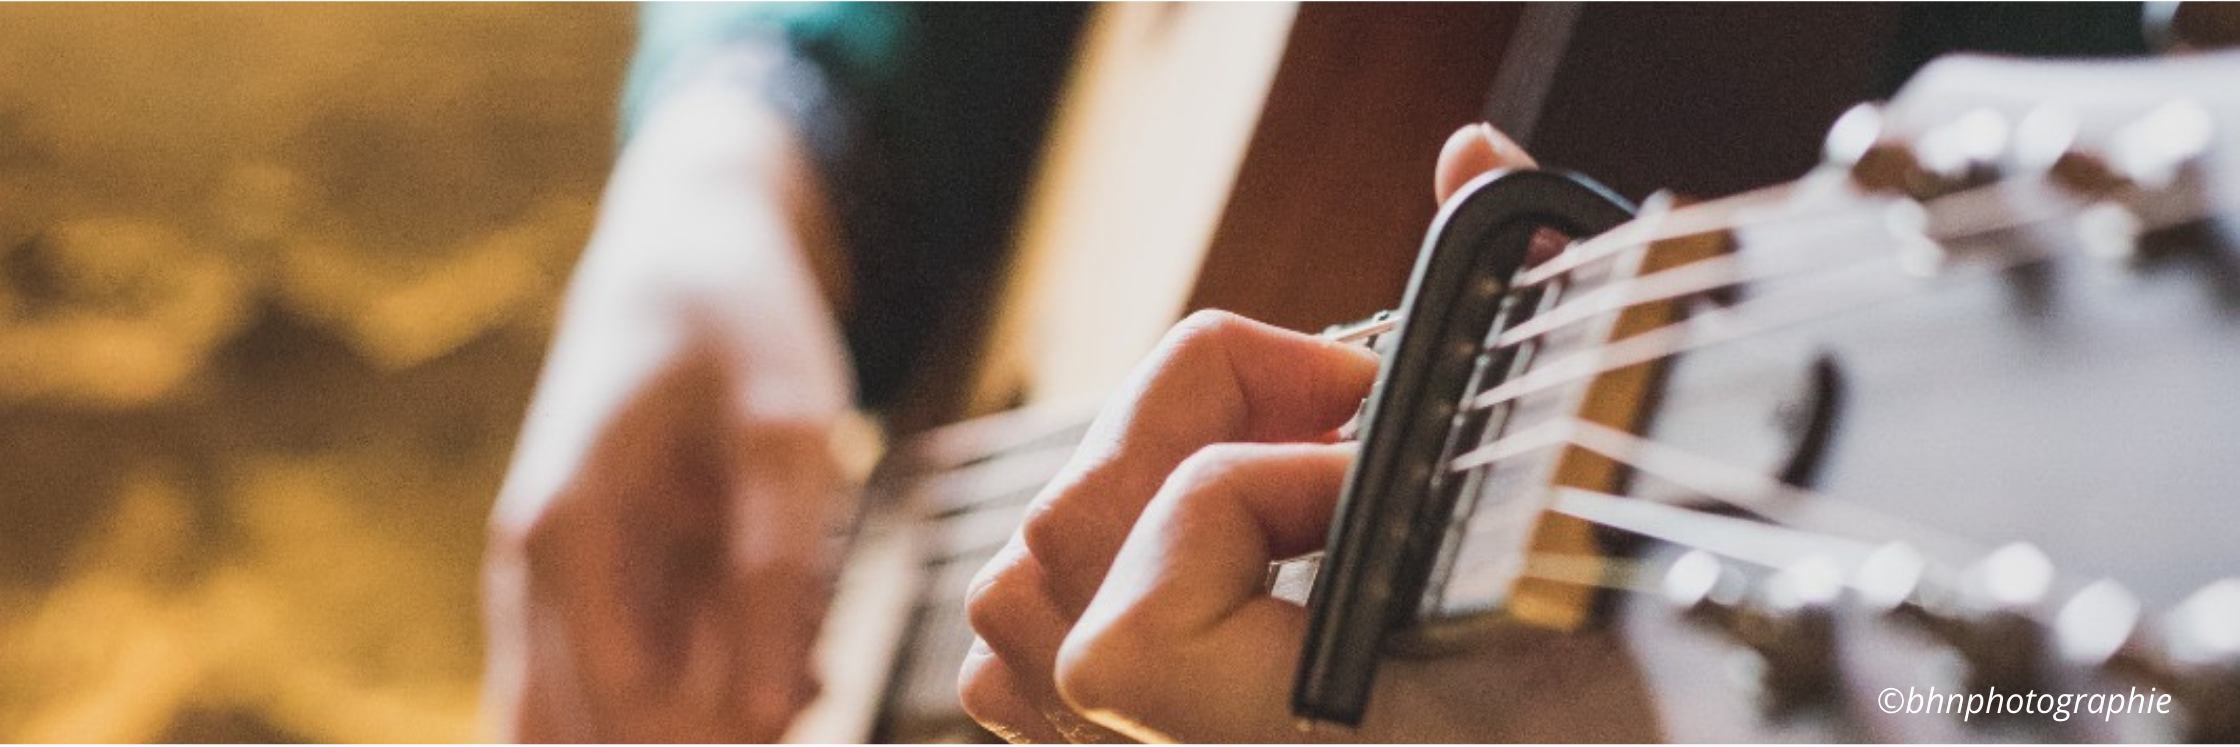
x=1216 y=378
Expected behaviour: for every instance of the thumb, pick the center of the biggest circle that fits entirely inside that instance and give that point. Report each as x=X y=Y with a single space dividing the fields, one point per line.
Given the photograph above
x=1473 y=150
x=1479 y=148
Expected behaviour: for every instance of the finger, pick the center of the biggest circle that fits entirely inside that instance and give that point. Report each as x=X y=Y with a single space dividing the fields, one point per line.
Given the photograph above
x=1023 y=628
x=992 y=697
x=786 y=501
x=585 y=627
x=1215 y=378
x=1181 y=642
x=767 y=620
x=529 y=693
x=1479 y=148
x=1473 y=150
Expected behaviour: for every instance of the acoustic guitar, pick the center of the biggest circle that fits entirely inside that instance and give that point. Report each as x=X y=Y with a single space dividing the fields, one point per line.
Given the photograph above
x=1944 y=417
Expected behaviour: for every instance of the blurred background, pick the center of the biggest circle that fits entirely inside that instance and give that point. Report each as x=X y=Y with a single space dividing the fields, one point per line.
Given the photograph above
x=274 y=283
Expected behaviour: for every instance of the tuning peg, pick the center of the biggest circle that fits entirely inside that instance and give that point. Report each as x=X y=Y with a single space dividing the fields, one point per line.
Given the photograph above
x=1853 y=135
x=2099 y=626
x=1701 y=585
x=1798 y=635
x=2205 y=629
x=1896 y=579
x=1987 y=617
x=2157 y=148
x=2047 y=141
x=1966 y=151
x=2016 y=576
x=2154 y=151
x=1999 y=635
x=2195 y=661
x=1963 y=153
x=1789 y=623
x=2203 y=634
x=1857 y=145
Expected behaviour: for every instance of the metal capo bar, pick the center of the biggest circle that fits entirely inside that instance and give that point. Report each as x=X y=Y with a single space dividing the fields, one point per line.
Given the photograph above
x=1381 y=546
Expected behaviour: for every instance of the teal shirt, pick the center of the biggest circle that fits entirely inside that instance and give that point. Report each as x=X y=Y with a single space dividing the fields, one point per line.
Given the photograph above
x=928 y=121
x=855 y=42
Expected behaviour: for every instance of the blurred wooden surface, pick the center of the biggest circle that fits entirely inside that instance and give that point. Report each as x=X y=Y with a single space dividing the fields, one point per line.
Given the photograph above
x=274 y=281
x=1334 y=195
x=1143 y=155
x=1270 y=160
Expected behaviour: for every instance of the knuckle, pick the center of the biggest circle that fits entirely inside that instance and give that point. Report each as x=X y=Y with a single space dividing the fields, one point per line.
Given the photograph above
x=1205 y=330
x=998 y=595
x=983 y=690
x=1045 y=531
x=1210 y=469
x=543 y=540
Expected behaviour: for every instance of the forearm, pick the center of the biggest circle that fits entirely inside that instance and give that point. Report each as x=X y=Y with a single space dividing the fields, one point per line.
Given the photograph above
x=660 y=552
x=716 y=200
x=700 y=287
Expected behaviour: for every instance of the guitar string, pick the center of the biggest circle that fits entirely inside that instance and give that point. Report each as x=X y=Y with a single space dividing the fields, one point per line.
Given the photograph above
x=1737 y=321
x=1830 y=522
x=1980 y=207
x=1772 y=545
x=1749 y=318
x=1742 y=488
x=1692 y=278
x=1735 y=486
x=1701 y=331
x=1725 y=213
x=1504 y=447
x=1691 y=220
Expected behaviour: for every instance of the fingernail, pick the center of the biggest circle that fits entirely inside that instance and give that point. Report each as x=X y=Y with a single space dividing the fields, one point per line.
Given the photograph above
x=1493 y=137
x=1546 y=244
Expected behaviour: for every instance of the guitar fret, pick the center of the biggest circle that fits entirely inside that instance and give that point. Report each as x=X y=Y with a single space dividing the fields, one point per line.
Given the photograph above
x=997 y=481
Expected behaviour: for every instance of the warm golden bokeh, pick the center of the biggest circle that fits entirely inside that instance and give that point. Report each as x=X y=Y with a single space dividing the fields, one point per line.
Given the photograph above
x=274 y=281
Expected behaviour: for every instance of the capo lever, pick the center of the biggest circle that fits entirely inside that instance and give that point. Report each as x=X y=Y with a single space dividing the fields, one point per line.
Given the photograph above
x=1385 y=536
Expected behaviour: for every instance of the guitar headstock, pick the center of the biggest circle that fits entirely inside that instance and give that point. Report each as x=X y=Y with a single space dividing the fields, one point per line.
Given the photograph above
x=2160 y=137
x=1944 y=413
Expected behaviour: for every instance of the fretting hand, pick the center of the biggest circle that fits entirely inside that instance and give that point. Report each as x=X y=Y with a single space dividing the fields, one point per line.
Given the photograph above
x=1130 y=605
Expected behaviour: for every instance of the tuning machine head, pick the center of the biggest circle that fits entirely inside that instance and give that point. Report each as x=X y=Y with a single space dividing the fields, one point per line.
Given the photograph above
x=1702 y=586
x=1897 y=579
x=2099 y=627
x=2203 y=635
x=2049 y=141
x=1987 y=616
x=2155 y=150
x=2193 y=654
x=1964 y=153
x=1787 y=620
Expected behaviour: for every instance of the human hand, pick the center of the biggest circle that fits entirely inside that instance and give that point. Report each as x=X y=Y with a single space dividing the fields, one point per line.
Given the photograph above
x=661 y=553
x=1130 y=603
